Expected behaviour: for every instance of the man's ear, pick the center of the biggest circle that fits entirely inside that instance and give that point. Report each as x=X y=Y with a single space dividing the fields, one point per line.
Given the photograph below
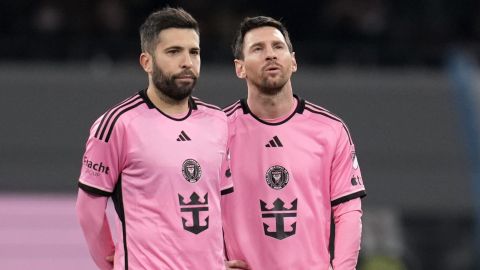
x=240 y=69
x=294 y=62
x=146 y=61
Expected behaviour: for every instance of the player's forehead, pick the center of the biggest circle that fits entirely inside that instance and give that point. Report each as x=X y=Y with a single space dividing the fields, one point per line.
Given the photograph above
x=262 y=35
x=178 y=37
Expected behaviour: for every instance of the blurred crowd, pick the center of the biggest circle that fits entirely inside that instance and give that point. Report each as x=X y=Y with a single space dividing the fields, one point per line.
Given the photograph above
x=324 y=32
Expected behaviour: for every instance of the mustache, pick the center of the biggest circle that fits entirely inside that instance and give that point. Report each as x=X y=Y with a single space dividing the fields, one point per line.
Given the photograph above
x=185 y=73
x=270 y=64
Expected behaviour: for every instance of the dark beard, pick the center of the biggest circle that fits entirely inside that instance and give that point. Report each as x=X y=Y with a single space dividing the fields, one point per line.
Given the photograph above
x=167 y=85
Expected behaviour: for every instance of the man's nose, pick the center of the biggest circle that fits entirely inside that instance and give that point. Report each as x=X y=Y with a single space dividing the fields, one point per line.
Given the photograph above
x=187 y=61
x=270 y=53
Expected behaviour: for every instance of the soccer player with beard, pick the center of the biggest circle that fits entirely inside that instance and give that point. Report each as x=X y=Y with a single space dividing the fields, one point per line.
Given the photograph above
x=293 y=163
x=161 y=156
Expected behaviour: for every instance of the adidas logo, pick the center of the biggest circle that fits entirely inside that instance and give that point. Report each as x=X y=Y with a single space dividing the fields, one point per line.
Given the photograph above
x=275 y=142
x=183 y=137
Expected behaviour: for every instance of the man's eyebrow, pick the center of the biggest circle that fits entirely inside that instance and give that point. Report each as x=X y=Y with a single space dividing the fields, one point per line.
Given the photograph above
x=259 y=43
x=174 y=47
x=276 y=42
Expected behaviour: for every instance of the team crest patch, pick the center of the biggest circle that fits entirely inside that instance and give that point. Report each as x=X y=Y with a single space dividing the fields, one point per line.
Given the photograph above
x=191 y=170
x=277 y=177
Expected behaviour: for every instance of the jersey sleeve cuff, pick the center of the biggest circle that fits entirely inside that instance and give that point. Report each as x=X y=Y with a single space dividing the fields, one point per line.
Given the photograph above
x=94 y=191
x=358 y=194
x=226 y=191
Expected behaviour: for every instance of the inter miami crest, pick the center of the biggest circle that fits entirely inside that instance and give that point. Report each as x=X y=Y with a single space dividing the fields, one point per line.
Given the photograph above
x=277 y=177
x=191 y=170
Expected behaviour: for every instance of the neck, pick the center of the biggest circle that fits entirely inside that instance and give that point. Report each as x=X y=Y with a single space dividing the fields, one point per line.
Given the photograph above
x=267 y=106
x=166 y=104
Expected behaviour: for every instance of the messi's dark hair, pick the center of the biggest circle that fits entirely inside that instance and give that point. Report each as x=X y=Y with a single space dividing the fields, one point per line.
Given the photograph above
x=251 y=23
x=162 y=19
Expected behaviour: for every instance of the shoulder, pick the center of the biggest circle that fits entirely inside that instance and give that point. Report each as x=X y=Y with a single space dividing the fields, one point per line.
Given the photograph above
x=233 y=110
x=321 y=115
x=208 y=109
x=116 y=115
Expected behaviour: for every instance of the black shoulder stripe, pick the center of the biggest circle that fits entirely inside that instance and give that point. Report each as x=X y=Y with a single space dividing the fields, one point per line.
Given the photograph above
x=112 y=108
x=107 y=123
x=333 y=118
x=118 y=116
x=226 y=191
x=359 y=194
x=113 y=112
x=322 y=113
x=231 y=107
x=315 y=106
x=209 y=106
x=239 y=106
x=318 y=108
x=103 y=125
x=105 y=115
x=94 y=191
x=200 y=103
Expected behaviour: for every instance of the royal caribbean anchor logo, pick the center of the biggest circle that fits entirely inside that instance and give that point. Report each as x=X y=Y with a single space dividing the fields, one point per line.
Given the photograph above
x=195 y=206
x=280 y=213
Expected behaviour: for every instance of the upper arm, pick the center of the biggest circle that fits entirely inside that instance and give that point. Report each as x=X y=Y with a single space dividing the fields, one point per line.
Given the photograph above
x=102 y=161
x=346 y=181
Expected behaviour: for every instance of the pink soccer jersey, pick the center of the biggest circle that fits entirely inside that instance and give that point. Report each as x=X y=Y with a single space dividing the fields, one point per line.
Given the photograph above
x=288 y=174
x=165 y=177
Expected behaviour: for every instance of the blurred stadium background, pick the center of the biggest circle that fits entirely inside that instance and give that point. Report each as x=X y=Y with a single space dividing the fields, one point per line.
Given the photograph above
x=402 y=74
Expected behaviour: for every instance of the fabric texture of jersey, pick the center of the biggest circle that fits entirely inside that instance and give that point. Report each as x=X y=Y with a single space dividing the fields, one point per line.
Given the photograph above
x=288 y=175
x=165 y=176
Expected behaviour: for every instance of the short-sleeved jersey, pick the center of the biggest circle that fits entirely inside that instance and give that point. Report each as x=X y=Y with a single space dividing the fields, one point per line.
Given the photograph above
x=288 y=175
x=165 y=176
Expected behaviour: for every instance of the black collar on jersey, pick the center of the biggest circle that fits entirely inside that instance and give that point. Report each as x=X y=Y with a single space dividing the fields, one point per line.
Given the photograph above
x=191 y=105
x=299 y=109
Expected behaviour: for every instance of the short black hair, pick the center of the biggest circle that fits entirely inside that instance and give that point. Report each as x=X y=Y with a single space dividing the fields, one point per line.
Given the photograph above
x=162 y=19
x=251 y=23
